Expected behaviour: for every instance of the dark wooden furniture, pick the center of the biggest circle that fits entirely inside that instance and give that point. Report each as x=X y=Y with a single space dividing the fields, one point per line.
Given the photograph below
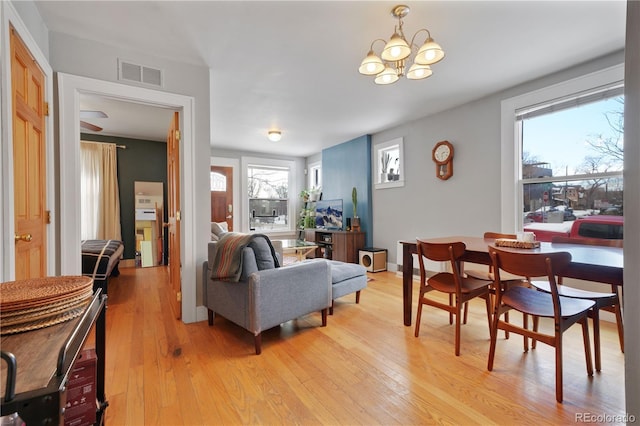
x=36 y=389
x=452 y=283
x=565 y=311
x=606 y=301
x=338 y=245
x=589 y=263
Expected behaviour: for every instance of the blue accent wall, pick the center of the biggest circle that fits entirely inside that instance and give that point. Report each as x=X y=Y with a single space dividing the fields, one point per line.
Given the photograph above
x=343 y=167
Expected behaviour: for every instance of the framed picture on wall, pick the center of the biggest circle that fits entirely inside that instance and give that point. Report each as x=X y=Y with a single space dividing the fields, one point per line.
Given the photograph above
x=389 y=164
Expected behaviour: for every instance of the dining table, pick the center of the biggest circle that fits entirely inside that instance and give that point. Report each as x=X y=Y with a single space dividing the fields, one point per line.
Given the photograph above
x=590 y=263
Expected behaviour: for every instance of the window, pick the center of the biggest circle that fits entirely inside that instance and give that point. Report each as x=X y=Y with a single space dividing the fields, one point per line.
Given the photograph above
x=268 y=186
x=218 y=182
x=529 y=168
x=315 y=175
x=389 y=170
x=572 y=157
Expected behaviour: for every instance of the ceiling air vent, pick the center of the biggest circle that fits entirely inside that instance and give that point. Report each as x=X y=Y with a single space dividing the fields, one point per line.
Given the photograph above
x=131 y=72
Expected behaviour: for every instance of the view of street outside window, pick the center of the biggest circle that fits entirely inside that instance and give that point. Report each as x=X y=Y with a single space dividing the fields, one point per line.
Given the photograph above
x=572 y=161
x=268 y=198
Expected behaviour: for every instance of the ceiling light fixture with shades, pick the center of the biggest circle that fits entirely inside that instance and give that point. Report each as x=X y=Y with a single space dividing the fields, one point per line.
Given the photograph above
x=397 y=51
x=274 y=135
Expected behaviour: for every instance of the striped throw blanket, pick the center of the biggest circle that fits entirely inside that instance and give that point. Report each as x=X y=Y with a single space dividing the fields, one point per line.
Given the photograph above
x=227 y=265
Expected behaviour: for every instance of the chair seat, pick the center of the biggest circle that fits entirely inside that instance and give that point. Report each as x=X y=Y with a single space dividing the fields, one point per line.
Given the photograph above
x=539 y=303
x=577 y=293
x=445 y=282
x=484 y=274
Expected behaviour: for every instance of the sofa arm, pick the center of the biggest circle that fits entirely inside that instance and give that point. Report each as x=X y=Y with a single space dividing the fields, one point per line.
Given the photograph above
x=281 y=294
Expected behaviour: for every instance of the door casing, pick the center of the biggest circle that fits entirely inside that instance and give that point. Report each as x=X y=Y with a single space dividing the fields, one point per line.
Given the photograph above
x=69 y=88
x=10 y=17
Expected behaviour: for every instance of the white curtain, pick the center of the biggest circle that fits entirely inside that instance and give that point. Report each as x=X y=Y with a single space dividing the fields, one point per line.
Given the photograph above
x=99 y=195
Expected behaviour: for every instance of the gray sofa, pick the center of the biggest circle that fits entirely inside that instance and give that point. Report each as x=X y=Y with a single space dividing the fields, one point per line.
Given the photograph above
x=346 y=278
x=265 y=298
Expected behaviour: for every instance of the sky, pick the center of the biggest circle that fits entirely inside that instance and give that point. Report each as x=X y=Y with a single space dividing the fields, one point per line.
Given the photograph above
x=559 y=138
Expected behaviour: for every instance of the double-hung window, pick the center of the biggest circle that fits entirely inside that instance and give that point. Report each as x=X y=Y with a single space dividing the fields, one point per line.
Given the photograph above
x=269 y=184
x=562 y=152
x=572 y=157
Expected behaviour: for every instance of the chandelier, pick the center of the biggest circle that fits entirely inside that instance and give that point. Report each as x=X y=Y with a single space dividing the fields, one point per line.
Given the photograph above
x=396 y=53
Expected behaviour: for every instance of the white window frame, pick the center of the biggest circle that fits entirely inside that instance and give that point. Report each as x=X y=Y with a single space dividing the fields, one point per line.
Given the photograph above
x=311 y=181
x=293 y=191
x=379 y=149
x=511 y=155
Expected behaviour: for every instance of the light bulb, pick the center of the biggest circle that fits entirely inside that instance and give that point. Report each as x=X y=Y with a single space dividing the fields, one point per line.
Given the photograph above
x=429 y=54
x=371 y=67
x=395 y=51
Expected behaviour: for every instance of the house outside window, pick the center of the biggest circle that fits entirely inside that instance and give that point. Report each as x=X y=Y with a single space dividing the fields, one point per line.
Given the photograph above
x=572 y=158
x=557 y=146
x=268 y=191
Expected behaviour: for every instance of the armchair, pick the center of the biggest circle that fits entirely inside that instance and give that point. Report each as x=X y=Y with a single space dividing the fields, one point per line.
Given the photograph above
x=265 y=298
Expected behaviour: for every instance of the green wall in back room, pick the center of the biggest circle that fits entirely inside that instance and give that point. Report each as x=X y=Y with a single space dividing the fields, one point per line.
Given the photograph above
x=144 y=161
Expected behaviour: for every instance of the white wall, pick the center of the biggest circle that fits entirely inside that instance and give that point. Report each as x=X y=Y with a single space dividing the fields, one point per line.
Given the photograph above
x=95 y=60
x=469 y=203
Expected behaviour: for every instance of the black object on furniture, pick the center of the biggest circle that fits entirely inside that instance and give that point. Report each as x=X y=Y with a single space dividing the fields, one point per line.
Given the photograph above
x=40 y=404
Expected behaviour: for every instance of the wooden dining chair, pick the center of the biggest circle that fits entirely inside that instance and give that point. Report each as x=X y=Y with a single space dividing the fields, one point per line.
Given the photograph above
x=461 y=289
x=605 y=301
x=564 y=311
x=486 y=273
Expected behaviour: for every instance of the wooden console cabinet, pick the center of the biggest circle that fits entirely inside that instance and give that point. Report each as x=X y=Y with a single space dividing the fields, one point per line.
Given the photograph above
x=336 y=245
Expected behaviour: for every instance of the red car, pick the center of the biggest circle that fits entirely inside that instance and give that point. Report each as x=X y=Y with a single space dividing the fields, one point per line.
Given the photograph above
x=602 y=226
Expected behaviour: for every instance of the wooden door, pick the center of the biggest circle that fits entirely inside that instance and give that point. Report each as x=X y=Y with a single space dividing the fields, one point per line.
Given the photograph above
x=173 y=195
x=222 y=197
x=29 y=162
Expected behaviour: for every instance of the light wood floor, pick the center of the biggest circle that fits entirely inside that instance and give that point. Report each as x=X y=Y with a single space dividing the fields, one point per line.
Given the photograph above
x=365 y=367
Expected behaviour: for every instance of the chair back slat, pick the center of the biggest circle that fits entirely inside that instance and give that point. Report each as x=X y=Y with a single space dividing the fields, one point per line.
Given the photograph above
x=548 y=265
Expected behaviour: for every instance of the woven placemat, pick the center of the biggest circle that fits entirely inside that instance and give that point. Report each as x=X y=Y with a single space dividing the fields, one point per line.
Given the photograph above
x=46 y=307
x=43 y=303
x=508 y=242
x=42 y=323
x=34 y=292
x=41 y=315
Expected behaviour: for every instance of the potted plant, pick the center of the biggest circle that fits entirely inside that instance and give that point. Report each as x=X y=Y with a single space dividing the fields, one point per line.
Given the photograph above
x=355 y=220
x=304 y=194
x=385 y=158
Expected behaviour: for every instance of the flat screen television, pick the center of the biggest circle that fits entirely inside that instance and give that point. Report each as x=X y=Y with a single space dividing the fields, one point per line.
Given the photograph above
x=329 y=214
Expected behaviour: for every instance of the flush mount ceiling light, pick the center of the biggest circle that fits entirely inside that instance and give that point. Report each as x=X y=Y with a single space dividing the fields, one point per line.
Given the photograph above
x=396 y=53
x=274 y=135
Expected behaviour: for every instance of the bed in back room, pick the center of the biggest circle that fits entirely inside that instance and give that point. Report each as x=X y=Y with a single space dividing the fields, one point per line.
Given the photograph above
x=100 y=259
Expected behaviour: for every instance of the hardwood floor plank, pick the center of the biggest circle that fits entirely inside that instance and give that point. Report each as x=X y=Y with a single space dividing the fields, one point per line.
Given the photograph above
x=365 y=367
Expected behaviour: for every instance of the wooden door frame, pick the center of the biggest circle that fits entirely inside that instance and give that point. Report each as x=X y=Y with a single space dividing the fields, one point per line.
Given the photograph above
x=69 y=89
x=234 y=163
x=10 y=17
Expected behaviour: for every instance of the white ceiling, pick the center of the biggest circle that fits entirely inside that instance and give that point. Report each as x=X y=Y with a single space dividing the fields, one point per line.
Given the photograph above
x=293 y=64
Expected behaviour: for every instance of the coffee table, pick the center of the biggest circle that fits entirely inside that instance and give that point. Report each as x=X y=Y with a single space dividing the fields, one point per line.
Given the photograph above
x=300 y=247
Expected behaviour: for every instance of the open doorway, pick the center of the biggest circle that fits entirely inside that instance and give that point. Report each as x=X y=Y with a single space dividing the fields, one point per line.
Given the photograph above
x=70 y=87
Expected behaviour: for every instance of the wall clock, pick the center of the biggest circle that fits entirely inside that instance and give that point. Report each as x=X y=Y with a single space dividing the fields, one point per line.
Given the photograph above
x=442 y=155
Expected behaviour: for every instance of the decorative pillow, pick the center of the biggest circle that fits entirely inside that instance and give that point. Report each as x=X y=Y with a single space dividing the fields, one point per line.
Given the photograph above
x=217 y=229
x=263 y=252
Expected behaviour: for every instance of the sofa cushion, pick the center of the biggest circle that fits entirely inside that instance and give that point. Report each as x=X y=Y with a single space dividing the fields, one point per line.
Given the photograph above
x=263 y=251
x=341 y=271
